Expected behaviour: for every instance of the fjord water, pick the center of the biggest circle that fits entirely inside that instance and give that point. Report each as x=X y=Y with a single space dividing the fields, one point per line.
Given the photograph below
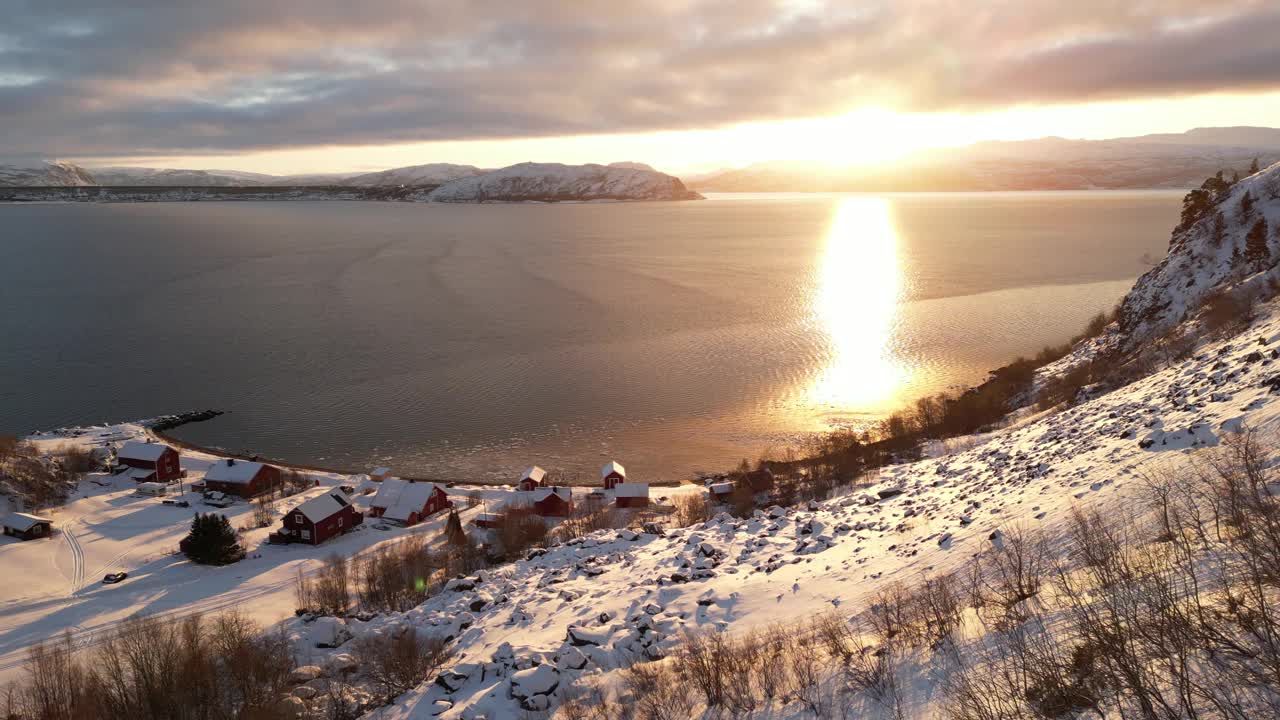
x=464 y=341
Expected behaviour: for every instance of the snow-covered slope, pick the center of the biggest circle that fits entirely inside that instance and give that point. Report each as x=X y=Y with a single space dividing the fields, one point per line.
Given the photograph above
x=55 y=173
x=551 y=182
x=415 y=175
x=1204 y=257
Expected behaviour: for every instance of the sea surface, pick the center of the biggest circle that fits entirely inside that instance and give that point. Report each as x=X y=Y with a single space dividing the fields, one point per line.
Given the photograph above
x=467 y=341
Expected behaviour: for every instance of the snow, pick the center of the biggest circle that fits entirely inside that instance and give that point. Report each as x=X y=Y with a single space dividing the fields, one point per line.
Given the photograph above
x=534 y=473
x=148 y=452
x=611 y=467
x=631 y=490
x=323 y=506
x=48 y=174
x=230 y=470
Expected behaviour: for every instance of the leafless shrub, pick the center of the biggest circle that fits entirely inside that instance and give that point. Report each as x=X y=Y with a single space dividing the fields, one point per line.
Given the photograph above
x=657 y=692
x=690 y=509
x=402 y=661
x=328 y=592
x=399 y=576
x=520 y=529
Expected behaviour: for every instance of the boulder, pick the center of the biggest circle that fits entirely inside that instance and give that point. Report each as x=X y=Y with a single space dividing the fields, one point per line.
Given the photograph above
x=306 y=673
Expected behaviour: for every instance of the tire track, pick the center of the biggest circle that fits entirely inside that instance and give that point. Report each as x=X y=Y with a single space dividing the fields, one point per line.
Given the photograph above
x=77 y=558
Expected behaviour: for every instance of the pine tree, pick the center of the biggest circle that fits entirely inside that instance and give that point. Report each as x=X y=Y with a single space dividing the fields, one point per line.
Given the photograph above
x=1219 y=229
x=1246 y=205
x=1235 y=176
x=1253 y=167
x=212 y=541
x=453 y=532
x=1256 y=249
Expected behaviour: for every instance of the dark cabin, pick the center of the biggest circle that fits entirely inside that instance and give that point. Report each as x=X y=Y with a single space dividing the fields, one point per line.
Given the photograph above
x=318 y=519
x=552 y=501
x=149 y=462
x=27 y=527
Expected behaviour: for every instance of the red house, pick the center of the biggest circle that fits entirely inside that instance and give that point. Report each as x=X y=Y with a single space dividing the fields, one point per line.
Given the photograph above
x=612 y=474
x=552 y=501
x=532 y=479
x=408 y=502
x=149 y=462
x=631 y=495
x=241 y=477
x=318 y=519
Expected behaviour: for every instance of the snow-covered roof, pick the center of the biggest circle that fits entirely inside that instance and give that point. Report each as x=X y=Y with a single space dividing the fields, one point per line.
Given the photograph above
x=534 y=473
x=233 y=471
x=148 y=452
x=152 y=487
x=23 y=522
x=398 y=498
x=540 y=494
x=611 y=467
x=722 y=488
x=322 y=506
x=631 y=490
x=380 y=472
x=139 y=473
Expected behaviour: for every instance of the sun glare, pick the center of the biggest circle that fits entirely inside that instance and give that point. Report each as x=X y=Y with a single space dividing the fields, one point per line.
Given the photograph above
x=857 y=305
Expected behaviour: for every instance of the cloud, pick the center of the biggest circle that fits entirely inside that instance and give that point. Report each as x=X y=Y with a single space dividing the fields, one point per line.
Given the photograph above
x=143 y=76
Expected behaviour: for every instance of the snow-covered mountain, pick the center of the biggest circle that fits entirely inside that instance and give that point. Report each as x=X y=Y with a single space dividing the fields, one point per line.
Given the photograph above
x=431 y=174
x=166 y=177
x=552 y=182
x=1207 y=252
x=54 y=173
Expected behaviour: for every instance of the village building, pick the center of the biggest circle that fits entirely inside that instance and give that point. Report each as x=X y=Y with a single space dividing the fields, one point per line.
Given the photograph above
x=318 y=519
x=550 y=501
x=241 y=477
x=26 y=526
x=531 y=479
x=152 y=489
x=613 y=474
x=380 y=474
x=149 y=462
x=408 y=502
x=721 y=491
x=631 y=495
x=489 y=521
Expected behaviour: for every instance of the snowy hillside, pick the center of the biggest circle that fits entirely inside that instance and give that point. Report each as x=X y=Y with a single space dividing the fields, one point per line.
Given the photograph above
x=163 y=177
x=50 y=174
x=551 y=182
x=1205 y=255
x=415 y=175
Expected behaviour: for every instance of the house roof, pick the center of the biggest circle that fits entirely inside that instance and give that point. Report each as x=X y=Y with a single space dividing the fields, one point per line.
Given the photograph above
x=380 y=471
x=134 y=450
x=540 y=494
x=23 y=522
x=613 y=466
x=230 y=470
x=721 y=488
x=139 y=473
x=398 y=498
x=534 y=473
x=322 y=506
x=631 y=490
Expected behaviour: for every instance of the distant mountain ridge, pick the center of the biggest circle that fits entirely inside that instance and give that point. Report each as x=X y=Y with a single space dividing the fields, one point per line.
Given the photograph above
x=1178 y=161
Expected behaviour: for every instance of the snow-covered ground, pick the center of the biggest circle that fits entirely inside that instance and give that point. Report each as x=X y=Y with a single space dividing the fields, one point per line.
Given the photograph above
x=55 y=584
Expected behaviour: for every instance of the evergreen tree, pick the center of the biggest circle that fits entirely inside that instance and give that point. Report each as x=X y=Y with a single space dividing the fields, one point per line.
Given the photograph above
x=1219 y=229
x=1235 y=176
x=1246 y=205
x=453 y=532
x=212 y=541
x=1253 y=167
x=1256 y=250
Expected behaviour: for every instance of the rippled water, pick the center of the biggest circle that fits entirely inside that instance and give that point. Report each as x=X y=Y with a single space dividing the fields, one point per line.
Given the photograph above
x=464 y=341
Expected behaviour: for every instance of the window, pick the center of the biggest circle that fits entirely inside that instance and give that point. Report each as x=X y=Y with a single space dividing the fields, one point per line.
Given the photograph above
x=306 y=534
x=297 y=519
x=339 y=521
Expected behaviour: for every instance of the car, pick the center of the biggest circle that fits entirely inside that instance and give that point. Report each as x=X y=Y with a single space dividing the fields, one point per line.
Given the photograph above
x=177 y=503
x=113 y=578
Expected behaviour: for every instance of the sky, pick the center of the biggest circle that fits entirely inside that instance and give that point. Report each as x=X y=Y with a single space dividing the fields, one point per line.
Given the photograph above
x=329 y=85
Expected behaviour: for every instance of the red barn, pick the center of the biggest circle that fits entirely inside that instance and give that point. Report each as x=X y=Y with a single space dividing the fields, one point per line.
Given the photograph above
x=532 y=479
x=613 y=474
x=149 y=462
x=631 y=495
x=319 y=519
x=241 y=477
x=552 y=501
x=408 y=502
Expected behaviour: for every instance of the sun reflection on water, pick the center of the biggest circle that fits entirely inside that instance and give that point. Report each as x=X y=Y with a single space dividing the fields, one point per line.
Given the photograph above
x=856 y=303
